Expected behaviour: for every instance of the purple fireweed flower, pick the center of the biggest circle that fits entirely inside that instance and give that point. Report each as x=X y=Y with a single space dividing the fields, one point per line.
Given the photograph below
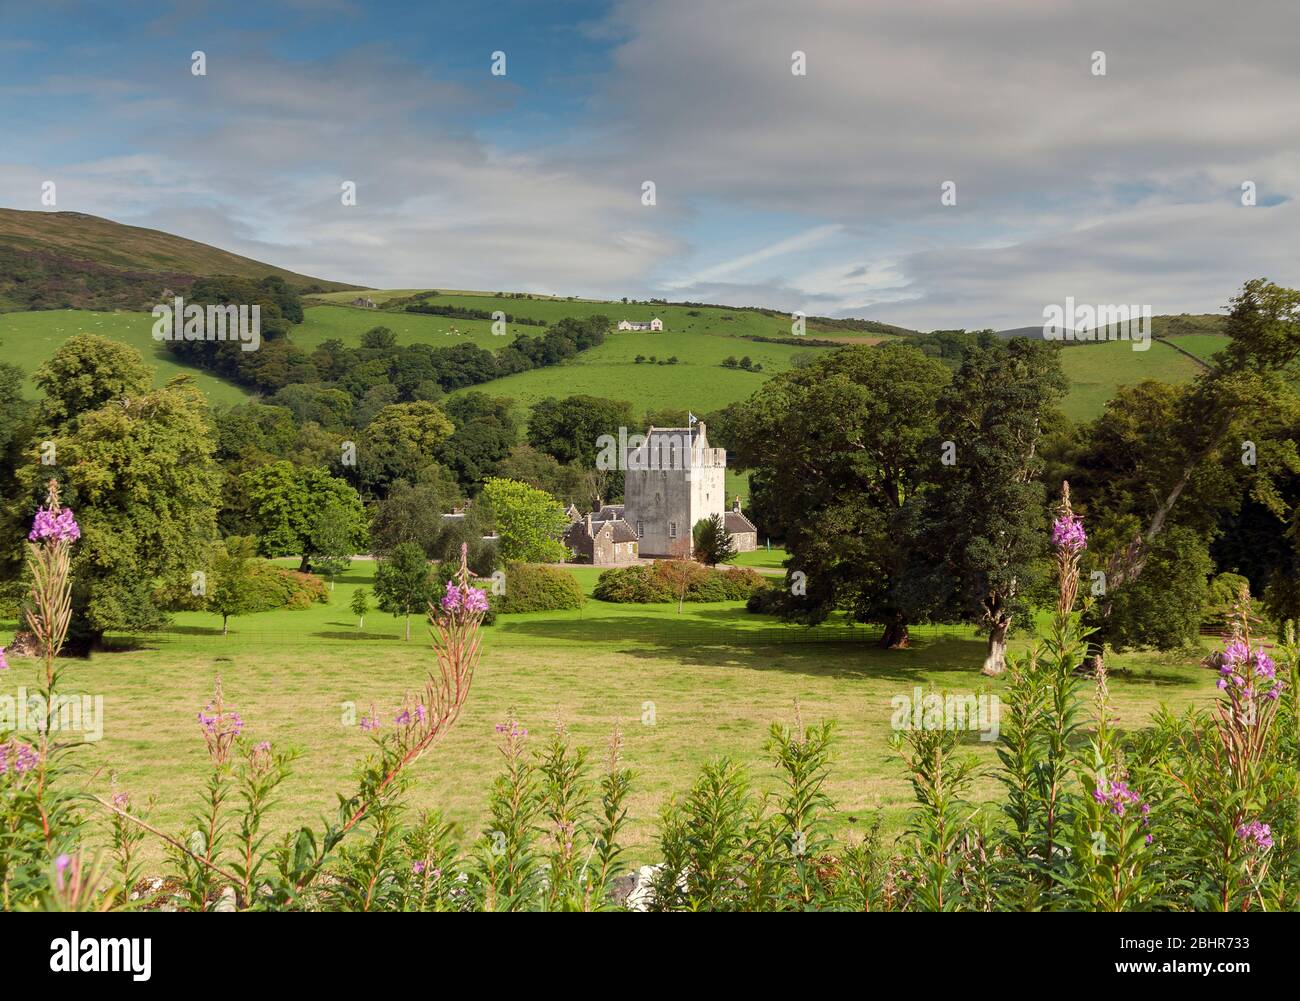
x=512 y=729
x=61 y=527
x=1068 y=534
x=18 y=757
x=4 y=663
x=1247 y=672
x=60 y=867
x=464 y=599
x=121 y=800
x=1117 y=797
x=417 y=867
x=1258 y=837
x=369 y=723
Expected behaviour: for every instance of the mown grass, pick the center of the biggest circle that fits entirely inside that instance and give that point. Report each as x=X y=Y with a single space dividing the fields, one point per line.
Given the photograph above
x=683 y=688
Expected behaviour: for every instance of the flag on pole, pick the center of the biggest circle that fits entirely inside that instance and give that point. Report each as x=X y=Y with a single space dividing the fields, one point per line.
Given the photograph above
x=691 y=419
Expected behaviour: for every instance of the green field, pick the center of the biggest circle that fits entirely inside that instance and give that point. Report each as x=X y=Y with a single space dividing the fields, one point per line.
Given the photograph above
x=1096 y=370
x=29 y=339
x=698 y=381
x=716 y=676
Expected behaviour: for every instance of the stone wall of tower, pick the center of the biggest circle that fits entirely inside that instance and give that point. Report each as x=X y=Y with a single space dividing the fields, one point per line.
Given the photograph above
x=663 y=502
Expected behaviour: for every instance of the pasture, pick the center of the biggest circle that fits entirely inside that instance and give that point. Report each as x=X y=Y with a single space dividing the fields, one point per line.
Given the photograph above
x=683 y=689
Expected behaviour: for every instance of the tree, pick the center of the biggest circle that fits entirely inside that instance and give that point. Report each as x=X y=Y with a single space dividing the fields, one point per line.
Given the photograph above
x=286 y=503
x=86 y=372
x=413 y=512
x=569 y=429
x=403 y=582
x=984 y=522
x=360 y=605
x=230 y=582
x=400 y=440
x=1163 y=607
x=486 y=430
x=712 y=541
x=332 y=537
x=1245 y=396
x=140 y=475
x=528 y=521
x=841 y=451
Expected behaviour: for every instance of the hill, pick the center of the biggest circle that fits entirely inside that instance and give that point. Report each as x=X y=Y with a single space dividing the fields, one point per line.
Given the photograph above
x=57 y=260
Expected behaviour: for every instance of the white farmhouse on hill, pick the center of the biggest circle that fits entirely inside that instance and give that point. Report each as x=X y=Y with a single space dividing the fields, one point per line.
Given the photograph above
x=655 y=324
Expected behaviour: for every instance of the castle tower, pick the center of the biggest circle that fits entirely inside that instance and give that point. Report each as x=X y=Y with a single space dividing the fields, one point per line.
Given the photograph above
x=671 y=481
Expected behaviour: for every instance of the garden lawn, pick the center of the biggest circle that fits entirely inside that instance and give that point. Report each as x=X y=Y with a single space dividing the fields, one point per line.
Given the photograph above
x=683 y=689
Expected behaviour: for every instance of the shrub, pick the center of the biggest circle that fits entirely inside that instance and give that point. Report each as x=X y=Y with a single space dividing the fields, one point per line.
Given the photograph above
x=277 y=587
x=663 y=582
x=532 y=587
x=1224 y=595
x=637 y=584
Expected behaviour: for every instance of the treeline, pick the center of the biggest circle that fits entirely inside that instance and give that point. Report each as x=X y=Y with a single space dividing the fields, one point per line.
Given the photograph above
x=416 y=371
x=910 y=482
x=465 y=313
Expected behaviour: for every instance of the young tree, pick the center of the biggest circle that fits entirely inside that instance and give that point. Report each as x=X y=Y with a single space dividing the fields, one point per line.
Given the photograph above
x=529 y=521
x=360 y=605
x=230 y=583
x=712 y=541
x=403 y=582
x=333 y=535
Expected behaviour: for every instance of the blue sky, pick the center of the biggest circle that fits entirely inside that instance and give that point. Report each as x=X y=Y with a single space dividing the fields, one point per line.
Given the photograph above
x=818 y=192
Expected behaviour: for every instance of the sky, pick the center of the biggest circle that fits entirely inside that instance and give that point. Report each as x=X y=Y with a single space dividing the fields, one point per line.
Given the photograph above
x=819 y=191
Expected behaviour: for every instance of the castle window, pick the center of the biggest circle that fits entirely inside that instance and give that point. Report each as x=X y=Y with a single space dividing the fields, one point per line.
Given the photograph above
x=672 y=530
x=640 y=528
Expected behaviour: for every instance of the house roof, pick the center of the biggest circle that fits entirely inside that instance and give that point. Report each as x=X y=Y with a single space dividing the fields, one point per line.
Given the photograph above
x=736 y=523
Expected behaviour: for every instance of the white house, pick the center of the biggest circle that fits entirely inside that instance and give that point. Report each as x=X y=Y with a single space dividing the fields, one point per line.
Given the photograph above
x=655 y=324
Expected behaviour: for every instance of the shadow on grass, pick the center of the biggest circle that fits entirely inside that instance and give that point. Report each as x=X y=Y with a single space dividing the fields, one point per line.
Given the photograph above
x=696 y=640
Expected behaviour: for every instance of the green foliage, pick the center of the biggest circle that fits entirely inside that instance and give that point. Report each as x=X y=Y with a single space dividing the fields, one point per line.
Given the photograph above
x=404 y=582
x=85 y=373
x=1163 y=607
x=539 y=588
x=288 y=504
x=712 y=542
x=528 y=521
x=663 y=581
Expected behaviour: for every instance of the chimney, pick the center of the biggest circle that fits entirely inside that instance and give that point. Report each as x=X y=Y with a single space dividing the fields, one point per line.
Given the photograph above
x=589 y=531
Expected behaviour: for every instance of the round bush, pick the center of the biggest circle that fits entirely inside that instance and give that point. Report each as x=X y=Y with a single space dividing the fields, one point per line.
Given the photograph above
x=532 y=587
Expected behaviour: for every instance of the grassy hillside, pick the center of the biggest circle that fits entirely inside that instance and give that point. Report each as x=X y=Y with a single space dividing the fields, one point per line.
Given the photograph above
x=28 y=339
x=58 y=259
x=1096 y=370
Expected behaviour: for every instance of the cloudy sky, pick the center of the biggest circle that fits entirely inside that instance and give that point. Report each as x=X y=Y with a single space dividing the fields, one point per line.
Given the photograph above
x=819 y=192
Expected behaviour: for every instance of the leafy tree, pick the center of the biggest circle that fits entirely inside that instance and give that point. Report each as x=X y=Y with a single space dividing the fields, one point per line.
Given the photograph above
x=984 y=521
x=564 y=481
x=568 y=429
x=86 y=372
x=841 y=451
x=403 y=582
x=230 y=584
x=333 y=535
x=1162 y=608
x=287 y=503
x=529 y=521
x=360 y=604
x=486 y=430
x=402 y=438
x=139 y=474
x=712 y=541
x=413 y=512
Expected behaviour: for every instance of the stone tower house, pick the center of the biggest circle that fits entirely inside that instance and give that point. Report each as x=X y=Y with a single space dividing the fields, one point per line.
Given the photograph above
x=671 y=481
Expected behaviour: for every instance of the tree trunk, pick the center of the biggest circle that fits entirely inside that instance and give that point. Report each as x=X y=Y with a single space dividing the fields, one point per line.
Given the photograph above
x=305 y=565
x=896 y=636
x=408 y=627
x=362 y=623
x=225 y=620
x=996 y=661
